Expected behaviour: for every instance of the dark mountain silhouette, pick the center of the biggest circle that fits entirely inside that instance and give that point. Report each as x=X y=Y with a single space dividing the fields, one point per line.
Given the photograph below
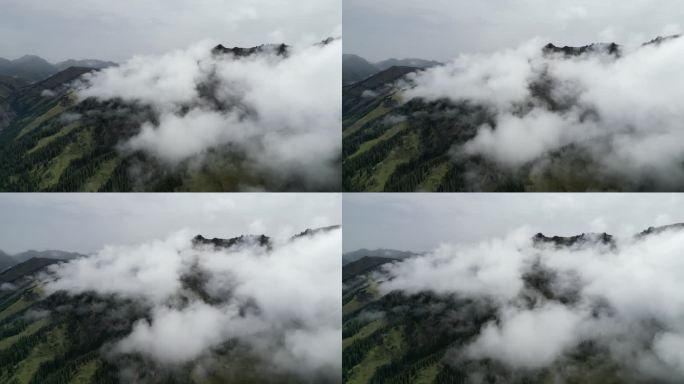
x=31 y=68
x=6 y=261
x=26 y=268
x=610 y=48
x=313 y=232
x=356 y=68
x=261 y=240
x=585 y=239
x=278 y=49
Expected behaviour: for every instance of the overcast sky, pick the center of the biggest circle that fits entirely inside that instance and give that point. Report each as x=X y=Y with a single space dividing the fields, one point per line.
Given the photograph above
x=420 y=222
x=86 y=222
x=117 y=29
x=443 y=29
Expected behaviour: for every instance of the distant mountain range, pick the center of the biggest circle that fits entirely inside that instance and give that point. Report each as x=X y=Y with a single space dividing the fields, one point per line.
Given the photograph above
x=33 y=68
x=7 y=261
x=356 y=68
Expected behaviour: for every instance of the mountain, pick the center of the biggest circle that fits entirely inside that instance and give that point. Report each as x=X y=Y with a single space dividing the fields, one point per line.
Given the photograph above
x=394 y=254
x=26 y=269
x=356 y=68
x=85 y=63
x=49 y=254
x=608 y=48
x=395 y=145
x=313 y=232
x=363 y=265
x=278 y=49
x=415 y=63
x=67 y=338
x=401 y=337
x=31 y=68
x=52 y=141
x=6 y=261
x=583 y=240
x=261 y=240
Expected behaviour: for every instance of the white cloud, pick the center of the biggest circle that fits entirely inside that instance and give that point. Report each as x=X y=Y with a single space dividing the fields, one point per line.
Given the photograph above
x=529 y=339
x=624 y=113
x=628 y=298
x=281 y=113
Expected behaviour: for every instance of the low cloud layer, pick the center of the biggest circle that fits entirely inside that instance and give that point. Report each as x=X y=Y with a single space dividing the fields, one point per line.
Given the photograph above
x=281 y=303
x=625 y=297
x=279 y=114
x=624 y=112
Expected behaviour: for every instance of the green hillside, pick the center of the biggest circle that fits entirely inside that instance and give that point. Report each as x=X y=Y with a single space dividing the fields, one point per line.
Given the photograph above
x=62 y=338
x=402 y=339
x=51 y=141
x=396 y=145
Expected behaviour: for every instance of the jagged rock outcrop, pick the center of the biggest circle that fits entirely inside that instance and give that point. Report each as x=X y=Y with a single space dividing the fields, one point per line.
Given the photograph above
x=261 y=240
x=589 y=239
x=278 y=49
x=609 y=48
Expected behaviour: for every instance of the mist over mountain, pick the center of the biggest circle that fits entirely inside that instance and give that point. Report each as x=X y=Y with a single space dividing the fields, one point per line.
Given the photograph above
x=7 y=260
x=355 y=68
x=532 y=118
x=185 y=309
x=207 y=118
x=524 y=308
x=386 y=253
x=416 y=63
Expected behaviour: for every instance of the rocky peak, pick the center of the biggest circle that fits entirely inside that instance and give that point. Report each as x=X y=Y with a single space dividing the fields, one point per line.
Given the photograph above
x=579 y=240
x=277 y=49
x=609 y=48
x=260 y=240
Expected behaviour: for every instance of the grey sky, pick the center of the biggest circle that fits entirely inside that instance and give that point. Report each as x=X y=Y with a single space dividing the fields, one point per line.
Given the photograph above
x=86 y=222
x=420 y=222
x=442 y=29
x=117 y=29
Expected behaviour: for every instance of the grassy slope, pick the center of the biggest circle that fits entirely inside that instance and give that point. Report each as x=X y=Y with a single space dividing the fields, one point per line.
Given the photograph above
x=384 y=137
x=54 y=346
x=75 y=150
x=43 y=142
x=391 y=347
x=378 y=112
x=364 y=332
x=85 y=373
x=101 y=176
x=410 y=147
x=30 y=330
x=35 y=123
